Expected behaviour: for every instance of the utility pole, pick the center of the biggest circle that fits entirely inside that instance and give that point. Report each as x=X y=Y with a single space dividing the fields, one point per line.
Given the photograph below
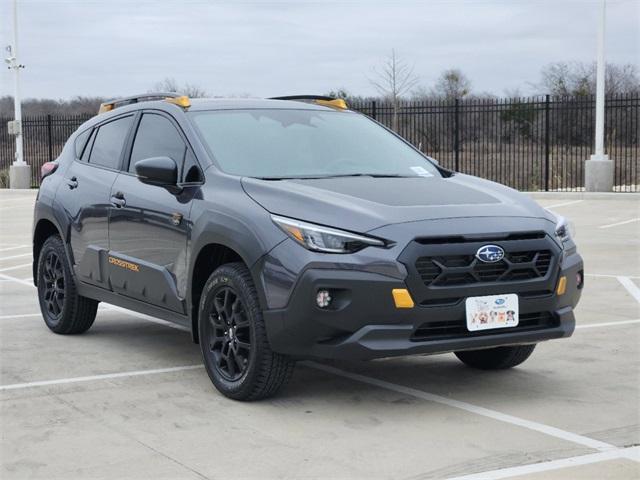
x=599 y=169
x=19 y=172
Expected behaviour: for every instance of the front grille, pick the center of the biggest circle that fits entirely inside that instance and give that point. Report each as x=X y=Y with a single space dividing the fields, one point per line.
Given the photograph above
x=453 y=270
x=440 y=330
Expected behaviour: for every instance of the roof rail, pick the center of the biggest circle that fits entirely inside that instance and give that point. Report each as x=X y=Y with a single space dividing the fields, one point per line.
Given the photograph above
x=172 y=97
x=319 y=99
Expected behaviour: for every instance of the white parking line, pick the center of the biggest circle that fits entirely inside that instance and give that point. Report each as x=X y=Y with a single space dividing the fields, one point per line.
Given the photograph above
x=15 y=267
x=631 y=287
x=106 y=306
x=14 y=279
x=16 y=256
x=63 y=381
x=620 y=223
x=21 y=315
x=608 y=275
x=485 y=412
x=632 y=453
x=564 y=204
x=608 y=324
x=17 y=247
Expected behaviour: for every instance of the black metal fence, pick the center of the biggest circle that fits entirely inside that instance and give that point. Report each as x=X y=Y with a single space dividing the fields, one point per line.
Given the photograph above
x=536 y=143
x=43 y=139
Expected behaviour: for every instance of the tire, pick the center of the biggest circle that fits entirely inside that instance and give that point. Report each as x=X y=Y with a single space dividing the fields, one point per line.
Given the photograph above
x=64 y=311
x=496 y=358
x=233 y=338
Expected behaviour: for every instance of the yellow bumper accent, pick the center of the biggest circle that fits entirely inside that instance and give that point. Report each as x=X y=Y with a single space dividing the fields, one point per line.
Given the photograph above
x=562 y=286
x=402 y=298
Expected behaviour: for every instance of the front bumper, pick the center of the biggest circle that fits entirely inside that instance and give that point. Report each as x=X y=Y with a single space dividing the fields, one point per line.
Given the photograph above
x=363 y=322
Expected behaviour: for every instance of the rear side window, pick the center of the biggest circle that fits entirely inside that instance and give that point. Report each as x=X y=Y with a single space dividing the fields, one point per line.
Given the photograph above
x=81 y=141
x=109 y=141
x=157 y=137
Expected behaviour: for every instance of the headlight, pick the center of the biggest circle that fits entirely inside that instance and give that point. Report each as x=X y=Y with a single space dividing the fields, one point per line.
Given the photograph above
x=324 y=239
x=564 y=228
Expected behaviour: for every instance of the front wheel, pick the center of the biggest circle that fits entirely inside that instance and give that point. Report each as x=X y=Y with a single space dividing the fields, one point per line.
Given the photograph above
x=496 y=358
x=233 y=339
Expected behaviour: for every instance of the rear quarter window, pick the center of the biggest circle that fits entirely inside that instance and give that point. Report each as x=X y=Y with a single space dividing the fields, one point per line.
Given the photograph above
x=81 y=142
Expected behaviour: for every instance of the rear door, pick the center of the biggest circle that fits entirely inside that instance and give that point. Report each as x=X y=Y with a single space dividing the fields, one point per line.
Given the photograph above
x=84 y=196
x=149 y=225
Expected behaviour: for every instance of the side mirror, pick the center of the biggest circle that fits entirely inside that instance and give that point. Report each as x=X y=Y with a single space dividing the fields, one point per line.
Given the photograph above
x=161 y=171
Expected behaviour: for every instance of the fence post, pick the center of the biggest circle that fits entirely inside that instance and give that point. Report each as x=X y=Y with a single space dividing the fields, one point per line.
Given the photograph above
x=49 y=138
x=373 y=109
x=456 y=134
x=547 y=147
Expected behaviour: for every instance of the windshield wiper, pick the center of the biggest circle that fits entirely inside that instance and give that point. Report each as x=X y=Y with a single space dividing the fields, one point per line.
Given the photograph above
x=374 y=175
x=339 y=175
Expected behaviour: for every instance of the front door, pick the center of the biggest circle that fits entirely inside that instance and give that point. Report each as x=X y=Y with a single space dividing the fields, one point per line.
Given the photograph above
x=148 y=224
x=84 y=197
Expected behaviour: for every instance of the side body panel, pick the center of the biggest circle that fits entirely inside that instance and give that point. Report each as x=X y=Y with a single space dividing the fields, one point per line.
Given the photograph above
x=150 y=232
x=82 y=201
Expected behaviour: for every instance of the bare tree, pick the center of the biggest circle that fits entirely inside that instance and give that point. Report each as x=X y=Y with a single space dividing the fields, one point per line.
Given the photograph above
x=169 y=84
x=47 y=106
x=579 y=79
x=394 y=78
x=451 y=84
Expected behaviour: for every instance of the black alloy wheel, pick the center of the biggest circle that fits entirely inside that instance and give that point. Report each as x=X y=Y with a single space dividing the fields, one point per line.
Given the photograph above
x=229 y=334
x=53 y=285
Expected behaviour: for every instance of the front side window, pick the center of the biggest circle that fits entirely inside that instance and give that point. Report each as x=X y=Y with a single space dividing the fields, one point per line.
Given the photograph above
x=157 y=137
x=109 y=141
x=301 y=143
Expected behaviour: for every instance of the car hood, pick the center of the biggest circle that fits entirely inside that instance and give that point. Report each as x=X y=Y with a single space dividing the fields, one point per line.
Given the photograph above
x=361 y=204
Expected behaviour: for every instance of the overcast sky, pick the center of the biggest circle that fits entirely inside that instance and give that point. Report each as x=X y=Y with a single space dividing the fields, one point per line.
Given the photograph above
x=266 y=48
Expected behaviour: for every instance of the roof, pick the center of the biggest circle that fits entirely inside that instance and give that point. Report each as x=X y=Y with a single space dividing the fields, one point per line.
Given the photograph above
x=198 y=104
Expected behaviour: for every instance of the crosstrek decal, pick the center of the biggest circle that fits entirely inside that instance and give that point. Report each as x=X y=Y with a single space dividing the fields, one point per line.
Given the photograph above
x=134 y=267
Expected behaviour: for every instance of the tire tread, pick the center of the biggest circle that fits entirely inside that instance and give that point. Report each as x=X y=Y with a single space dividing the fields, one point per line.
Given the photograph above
x=273 y=370
x=498 y=358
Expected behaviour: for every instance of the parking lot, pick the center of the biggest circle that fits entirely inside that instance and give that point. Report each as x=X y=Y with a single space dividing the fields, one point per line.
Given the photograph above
x=129 y=399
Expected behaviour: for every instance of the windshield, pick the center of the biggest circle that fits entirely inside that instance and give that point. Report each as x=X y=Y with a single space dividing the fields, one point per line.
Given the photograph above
x=277 y=144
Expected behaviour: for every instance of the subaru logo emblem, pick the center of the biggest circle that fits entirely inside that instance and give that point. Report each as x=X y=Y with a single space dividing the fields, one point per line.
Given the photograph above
x=490 y=253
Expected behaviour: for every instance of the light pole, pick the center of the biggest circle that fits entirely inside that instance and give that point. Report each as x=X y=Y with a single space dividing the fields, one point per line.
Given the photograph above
x=19 y=172
x=598 y=172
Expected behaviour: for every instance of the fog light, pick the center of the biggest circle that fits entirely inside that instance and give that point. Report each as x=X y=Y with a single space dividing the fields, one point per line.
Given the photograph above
x=323 y=298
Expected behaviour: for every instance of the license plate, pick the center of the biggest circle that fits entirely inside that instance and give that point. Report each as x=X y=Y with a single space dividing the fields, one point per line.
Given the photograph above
x=492 y=311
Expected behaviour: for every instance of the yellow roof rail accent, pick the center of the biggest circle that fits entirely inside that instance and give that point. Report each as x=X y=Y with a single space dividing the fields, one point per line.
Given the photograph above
x=335 y=103
x=177 y=99
x=105 y=107
x=317 y=99
x=182 y=101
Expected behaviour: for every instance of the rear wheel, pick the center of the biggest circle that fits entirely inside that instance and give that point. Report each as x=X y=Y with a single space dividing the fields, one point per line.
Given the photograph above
x=233 y=339
x=63 y=310
x=496 y=358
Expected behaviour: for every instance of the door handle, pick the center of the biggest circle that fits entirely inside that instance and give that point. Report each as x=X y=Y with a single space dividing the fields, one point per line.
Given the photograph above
x=117 y=200
x=73 y=183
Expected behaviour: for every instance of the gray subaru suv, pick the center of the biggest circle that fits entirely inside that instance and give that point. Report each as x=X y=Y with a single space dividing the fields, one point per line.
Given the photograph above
x=290 y=228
